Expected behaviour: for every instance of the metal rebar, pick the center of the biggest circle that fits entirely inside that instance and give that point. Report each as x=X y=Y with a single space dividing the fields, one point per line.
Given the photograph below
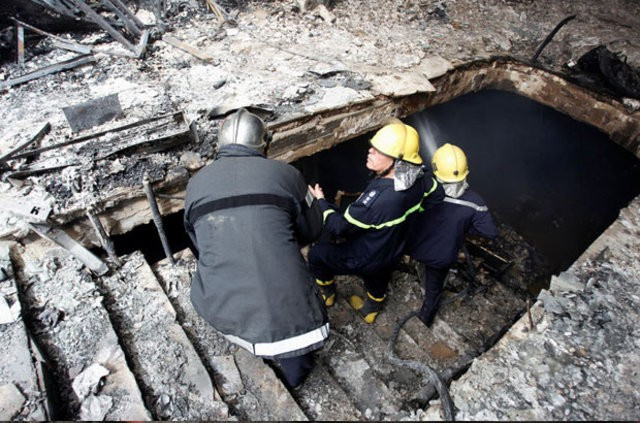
x=105 y=241
x=157 y=217
x=20 y=39
x=130 y=25
x=134 y=19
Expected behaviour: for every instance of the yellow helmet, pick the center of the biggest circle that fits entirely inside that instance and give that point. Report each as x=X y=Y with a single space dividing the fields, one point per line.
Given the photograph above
x=390 y=139
x=412 y=146
x=449 y=163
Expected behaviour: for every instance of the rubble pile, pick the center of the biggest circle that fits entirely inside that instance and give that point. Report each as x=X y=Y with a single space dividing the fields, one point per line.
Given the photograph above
x=146 y=322
x=74 y=330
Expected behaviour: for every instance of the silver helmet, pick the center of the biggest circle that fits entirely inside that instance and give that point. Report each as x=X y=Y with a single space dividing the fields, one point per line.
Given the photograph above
x=243 y=127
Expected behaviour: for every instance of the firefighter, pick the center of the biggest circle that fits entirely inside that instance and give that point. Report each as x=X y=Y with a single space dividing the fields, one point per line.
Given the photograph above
x=436 y=237
x=372 y=230
x=248 y=217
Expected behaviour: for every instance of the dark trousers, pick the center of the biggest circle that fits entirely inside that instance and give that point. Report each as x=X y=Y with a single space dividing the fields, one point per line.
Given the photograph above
x=296 y=369
x=327 y=260
x=433 y=279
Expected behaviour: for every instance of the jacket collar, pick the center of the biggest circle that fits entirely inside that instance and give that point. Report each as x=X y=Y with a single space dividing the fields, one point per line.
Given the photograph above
x=238 y=150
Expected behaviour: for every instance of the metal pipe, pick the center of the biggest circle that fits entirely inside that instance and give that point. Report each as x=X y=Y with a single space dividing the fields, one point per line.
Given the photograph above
x=157 y=217
x=105 y=241
x=20 y=38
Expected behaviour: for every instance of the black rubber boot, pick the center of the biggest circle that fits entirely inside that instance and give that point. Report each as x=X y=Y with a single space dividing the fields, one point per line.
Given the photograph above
x=328 y=291
x=367 y=309
x=428 y=311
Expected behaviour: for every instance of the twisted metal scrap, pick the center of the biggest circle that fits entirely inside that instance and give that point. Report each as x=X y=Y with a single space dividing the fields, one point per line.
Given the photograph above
x=434 y=377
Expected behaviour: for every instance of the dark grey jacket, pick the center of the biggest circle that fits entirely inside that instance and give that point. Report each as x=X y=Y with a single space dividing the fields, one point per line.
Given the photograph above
x=248 y=217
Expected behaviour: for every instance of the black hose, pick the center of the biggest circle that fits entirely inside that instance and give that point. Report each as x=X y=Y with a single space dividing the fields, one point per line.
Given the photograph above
x=550 y=36
x=434 y=377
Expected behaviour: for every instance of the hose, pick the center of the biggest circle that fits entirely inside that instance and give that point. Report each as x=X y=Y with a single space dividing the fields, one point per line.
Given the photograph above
x=547 y=40
x=434 y=377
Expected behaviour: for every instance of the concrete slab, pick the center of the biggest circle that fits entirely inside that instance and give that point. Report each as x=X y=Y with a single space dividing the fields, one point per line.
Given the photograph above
x=322 y=398
x=180 y=388
x=74 y=331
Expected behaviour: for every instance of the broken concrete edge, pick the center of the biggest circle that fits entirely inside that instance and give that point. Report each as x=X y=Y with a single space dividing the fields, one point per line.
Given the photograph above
x=547 y=87
x=606 y=260
x=61 y=238
x=17 y=399
x=303 y=135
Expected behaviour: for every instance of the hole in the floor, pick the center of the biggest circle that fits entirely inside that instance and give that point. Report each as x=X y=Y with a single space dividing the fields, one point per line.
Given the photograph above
x=558 y=182
x=145 y=238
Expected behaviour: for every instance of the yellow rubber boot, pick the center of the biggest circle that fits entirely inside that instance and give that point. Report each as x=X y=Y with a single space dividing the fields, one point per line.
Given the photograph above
x=328 y=291
x=367 y=309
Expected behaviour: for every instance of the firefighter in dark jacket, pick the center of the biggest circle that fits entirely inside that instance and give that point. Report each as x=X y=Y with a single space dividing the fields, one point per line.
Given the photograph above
x=436 y=237
x=373 y=228
x=248 y=217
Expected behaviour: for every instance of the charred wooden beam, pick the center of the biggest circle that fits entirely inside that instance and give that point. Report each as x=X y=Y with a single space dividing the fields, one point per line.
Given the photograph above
x=33 y=140
x=57 y=67
x=58 y=42
x=187 y=48
x=171 y=130
x=175 y=116
x=61 y=238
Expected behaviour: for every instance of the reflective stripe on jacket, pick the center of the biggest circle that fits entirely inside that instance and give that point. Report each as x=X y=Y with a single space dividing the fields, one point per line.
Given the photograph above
x=374 y=226
x=437 y=235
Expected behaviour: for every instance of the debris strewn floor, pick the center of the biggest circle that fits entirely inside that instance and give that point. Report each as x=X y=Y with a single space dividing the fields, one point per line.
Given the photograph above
x=126 y=345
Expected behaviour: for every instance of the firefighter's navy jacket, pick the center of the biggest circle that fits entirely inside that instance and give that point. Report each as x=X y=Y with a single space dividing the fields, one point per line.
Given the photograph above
x=245 y=215
x=374 y=226
x=436 y=236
